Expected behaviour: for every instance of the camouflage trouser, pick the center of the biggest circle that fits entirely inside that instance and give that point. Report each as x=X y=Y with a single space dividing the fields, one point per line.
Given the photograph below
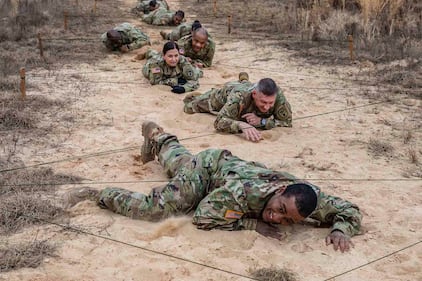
x=190 y=175
x=208 y=102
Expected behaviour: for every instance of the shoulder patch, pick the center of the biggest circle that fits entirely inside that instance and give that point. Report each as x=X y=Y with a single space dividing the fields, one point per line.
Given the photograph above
x=231 y=214
x=156 y=70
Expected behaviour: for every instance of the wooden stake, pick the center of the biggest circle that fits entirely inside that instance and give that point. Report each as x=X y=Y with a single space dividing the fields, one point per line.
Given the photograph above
x=215 y=8
x=22 y=85
x=229 y=24
x=76 y=3
x=352 y=56
x=94 y=10
x=65 y=20
x=40 y=45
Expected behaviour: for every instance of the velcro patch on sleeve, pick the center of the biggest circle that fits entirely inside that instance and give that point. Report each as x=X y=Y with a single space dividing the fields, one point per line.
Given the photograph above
x=231 y=214
x=156 y=70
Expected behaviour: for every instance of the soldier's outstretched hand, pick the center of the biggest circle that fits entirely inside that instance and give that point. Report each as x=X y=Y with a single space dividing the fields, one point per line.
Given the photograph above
x=339 y=240
x=250 y=132
x=252 y=119
x=268 y=230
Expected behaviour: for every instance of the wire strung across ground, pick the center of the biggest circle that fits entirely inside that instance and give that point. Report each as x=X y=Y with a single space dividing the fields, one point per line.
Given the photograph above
x=215 y=178
x=188 y=138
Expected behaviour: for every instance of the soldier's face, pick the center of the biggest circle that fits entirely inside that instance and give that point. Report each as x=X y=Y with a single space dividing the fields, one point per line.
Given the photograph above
x=171 y=57
x=281 y=210
x=199 y=41
x=177 y=20
x=263 y=102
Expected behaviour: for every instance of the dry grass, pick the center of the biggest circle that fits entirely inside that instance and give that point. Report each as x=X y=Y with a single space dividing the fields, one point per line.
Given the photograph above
x=21 y=255
x=380 y=148
x=413 y=156
x=272 y=274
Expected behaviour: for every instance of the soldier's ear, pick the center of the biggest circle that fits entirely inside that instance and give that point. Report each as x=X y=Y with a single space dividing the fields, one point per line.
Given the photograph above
x=253 y=94
x=281 y=189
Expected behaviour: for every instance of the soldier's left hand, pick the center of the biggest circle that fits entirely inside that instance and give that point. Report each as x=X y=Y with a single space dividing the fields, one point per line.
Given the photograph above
x=252 y=119
x=199 y=65
x=339 y=240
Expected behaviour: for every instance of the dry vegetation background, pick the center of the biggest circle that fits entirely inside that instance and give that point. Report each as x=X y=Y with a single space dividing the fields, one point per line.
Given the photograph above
x=386 y=34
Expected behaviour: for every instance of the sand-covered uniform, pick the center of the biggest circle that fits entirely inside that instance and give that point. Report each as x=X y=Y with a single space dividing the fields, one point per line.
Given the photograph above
x=133 y=37
x=160 y=17
x=222 y=190
x=234 y=100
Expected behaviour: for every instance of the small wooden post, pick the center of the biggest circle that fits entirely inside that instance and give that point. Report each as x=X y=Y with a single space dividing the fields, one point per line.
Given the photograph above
x=22 y=84
x=352 y=56
x=94 y=10
x=76 y=3
x=215 y=8
x=229 y=24
x=65 y=20
x=40 y=45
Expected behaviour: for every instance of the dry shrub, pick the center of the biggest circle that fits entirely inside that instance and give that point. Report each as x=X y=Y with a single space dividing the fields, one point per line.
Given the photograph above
x=380 y=148
x=17 y=114
x=34 y=180
x=25 y=254
x=413 y=156
x=272 y=274
x=20 y=209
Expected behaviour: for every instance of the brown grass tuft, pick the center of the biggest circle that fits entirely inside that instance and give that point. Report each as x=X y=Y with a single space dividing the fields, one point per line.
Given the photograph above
x=22 y=209
x=24 y=254
x=380 y=148
x=273 y=274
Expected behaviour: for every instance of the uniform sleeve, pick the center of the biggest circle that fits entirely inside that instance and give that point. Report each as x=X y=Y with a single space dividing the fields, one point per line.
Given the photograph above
x=148 y=18
x=227 y=117
x=222 y=209
x=191 y=75
x=341 y=214
x=282 y=117
x=138 y=38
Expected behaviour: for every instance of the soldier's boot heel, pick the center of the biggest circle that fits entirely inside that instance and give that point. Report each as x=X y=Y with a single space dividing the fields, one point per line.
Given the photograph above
x=149 y=147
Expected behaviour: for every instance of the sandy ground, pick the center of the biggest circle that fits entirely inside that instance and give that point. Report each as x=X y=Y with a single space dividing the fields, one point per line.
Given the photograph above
x=112 y=99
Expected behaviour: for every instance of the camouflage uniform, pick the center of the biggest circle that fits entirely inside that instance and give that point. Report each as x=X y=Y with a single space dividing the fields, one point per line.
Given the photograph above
x=159 y=17
x=204 y=56
x=158 y=72
x=234 y=100
x=131 y=36
x=144 y=6
x=224 y=191
x=178 y=32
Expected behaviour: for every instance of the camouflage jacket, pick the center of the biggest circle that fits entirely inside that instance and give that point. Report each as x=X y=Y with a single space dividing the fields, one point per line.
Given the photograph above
x=238 y=101
x=132 y=36
x=204 y=56
x=241 y=190
x=160 y=16
x=144 y=5
x=158 y=72
x=180 y=31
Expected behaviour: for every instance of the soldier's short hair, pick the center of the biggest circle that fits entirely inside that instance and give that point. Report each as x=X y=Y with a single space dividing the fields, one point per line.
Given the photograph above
x=152 y=3
x=305 y=197
x=180 y=13
x=200 y=30
x=267 y=86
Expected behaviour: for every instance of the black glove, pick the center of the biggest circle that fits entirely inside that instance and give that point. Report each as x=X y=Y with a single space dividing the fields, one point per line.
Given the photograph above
x=181 y=81
x=178 y=89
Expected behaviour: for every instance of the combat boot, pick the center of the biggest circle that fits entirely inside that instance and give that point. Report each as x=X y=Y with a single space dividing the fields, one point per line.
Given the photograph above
x=74 y=196
x=149 y=147
x=141 y=53
x=163 y=34
x=188 y=108
x=243 y=76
